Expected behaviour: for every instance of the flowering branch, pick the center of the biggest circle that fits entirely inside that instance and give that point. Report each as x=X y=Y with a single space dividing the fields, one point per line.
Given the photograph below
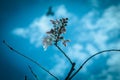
x=55 y=35
x=12 y=49
x=111 y=50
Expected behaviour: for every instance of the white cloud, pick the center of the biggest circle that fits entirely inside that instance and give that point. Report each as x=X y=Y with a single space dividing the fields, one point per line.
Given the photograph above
x=114 y=62
x=99 y=31
x=91 y=49
x=76 y=54
x=62 y=12
x=100 y=39
x=111 y=21
x=88 y=21
x=20 y=32
x=60 y=68
x=37 y=29
x=98 y=28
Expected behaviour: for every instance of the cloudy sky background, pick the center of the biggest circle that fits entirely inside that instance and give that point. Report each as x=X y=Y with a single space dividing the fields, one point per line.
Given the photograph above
x=93 y=25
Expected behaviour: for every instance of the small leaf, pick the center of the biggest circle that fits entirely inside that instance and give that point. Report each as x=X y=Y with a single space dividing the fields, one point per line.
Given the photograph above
x=65 y=41
x=53 y=22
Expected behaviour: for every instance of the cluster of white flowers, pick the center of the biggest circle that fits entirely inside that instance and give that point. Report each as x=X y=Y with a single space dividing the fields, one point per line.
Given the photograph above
x=55 y=34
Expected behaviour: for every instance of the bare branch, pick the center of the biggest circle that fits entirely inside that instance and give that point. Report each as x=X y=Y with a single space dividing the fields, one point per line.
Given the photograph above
x=111 y=50
x=72 y=63
x=70 y=72
x=36 y=77
x=25 y=77
x=14 y=50
x=64 y=54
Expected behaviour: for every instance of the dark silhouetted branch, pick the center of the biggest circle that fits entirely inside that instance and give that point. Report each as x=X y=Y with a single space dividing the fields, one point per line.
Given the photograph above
x=64 y=54
x=111 y=50
x=25 y=77
x=36 y=77
x=70 y=72
x=14 y=50
x=72 y=63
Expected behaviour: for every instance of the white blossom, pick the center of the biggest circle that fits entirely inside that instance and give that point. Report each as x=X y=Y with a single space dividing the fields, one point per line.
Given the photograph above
x=56 y=33
x=46 y=42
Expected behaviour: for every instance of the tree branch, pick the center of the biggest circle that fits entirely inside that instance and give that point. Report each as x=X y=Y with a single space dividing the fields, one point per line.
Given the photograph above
x=36 y=77
x=25 y=77
x=12 y=49
x=64 y=54
x=111 y=50
x=72 y=63
x=70 y=72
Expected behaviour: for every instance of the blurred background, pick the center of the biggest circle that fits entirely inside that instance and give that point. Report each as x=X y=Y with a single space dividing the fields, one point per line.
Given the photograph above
x=93 y=25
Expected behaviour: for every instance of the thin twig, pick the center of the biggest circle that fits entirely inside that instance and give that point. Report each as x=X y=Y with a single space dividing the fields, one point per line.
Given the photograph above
x=12 y=49
x=64 y=54
x=70 y=72
x=111 y=50
x=25 y=77
x=72 y=63
x=36 y=77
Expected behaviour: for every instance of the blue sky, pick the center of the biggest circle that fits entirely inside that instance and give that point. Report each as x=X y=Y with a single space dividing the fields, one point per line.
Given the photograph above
x=93 y=26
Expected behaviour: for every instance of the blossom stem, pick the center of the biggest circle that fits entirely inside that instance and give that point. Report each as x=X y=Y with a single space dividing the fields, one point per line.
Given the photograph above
x=64 y=54
x=111 y=50
x=14 y=50
x=72 y=63
x=70 y=72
